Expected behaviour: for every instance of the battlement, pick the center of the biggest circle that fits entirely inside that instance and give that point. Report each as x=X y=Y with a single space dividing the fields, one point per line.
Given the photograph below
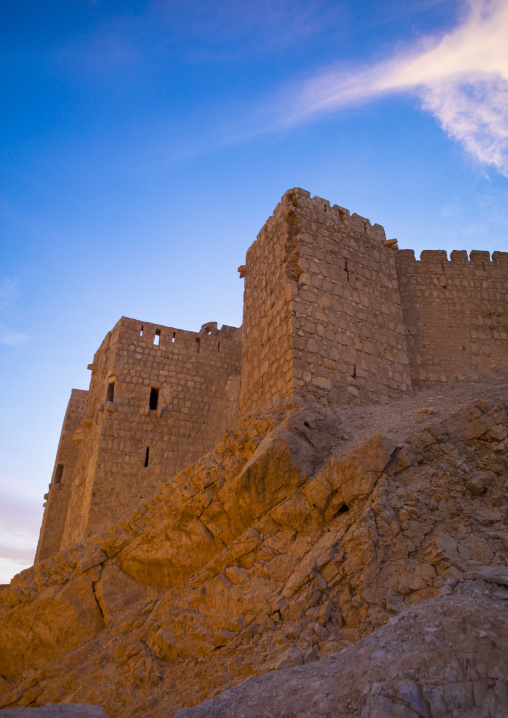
x=149 y=335
x=321 y=211
x=333 y=215
x=437 y=256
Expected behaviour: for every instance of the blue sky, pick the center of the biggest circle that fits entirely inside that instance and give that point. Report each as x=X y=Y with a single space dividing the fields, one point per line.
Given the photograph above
x=144 y=144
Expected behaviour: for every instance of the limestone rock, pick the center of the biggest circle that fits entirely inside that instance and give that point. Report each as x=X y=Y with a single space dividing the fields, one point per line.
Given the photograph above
x=445 y=657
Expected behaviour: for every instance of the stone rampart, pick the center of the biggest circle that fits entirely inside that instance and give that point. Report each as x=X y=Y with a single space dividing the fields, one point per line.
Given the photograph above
x=455 y=314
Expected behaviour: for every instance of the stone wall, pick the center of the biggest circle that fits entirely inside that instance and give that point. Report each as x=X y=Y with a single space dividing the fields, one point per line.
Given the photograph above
x=322 y=315
x=455 y=313
x=57 y=498
x=127 y=450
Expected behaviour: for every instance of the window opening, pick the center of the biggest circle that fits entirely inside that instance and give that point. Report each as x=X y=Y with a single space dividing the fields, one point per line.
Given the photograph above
x=58 y=473
x=110 y=394
x=157 y=337
x=173 y=338
x=147 y=455
x=198 y=344
x=154 y=398
x=354 y=372
x=218 y=347
x=141 y=332
x=346 y=270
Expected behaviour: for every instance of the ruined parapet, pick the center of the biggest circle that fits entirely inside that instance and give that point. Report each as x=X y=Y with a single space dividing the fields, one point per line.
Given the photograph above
x=322 y=313
x=455 y=313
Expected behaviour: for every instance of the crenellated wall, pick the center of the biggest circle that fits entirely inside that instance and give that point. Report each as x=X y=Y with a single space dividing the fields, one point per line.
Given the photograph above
x=455 y=314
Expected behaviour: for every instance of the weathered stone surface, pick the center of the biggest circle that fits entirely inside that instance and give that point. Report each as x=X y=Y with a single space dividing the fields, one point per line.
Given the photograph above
x=446 y=657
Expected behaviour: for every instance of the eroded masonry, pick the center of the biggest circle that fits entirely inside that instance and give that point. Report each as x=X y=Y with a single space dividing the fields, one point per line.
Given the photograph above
x=334 y=313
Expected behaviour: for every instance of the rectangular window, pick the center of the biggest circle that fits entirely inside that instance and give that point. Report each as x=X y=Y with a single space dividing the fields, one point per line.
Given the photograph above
x=58 y=473
x=218 y=347
x=141 y=332
x=154 y=399
x=147 y=455
x=157 y=337
x=173 y=339
x=110 y=394
x=198 y=344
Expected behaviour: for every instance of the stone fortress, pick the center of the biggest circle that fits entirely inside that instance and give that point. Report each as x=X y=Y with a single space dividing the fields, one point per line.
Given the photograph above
x=334 y=314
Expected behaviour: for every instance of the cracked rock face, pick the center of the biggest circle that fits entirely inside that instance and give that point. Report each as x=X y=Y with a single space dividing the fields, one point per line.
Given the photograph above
x=443 y=658
x=303 y=533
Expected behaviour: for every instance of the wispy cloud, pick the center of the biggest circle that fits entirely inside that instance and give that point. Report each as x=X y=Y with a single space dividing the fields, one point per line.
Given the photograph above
x=8 y=294
x=461 y=78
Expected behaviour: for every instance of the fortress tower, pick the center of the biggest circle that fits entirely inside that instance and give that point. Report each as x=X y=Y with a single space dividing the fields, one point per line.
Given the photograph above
x=322 y=312
x=159 y=399
x=334 y=313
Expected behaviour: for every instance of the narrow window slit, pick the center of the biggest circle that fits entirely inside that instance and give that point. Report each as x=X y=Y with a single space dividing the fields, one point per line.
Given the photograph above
x=141 y=332
x=110 y=394
x=354 y=371
x=346 y=270
x=218 y=347
x=147 y=455
x=157 y=337
x=154 y=399
x=173 y=338
x=58 y=473
x=198 y=344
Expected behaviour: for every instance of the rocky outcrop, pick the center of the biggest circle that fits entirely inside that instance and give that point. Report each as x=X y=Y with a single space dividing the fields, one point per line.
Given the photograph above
x=445 y=657
x=302 y=533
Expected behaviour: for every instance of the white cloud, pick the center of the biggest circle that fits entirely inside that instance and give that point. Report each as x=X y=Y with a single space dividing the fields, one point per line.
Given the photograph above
x=461 y=77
